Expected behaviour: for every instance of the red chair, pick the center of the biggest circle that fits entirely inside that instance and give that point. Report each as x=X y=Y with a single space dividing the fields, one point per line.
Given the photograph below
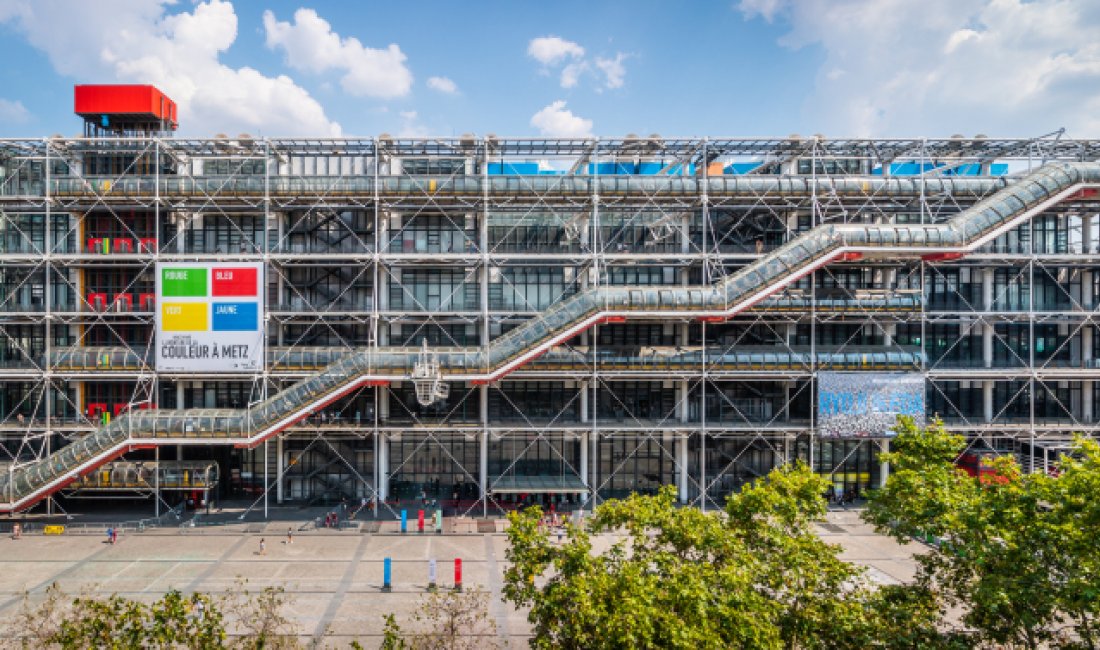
x=97 y=301
x=123 y=302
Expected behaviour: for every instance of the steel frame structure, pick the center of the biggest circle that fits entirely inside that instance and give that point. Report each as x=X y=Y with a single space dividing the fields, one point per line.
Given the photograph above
x=377 y=243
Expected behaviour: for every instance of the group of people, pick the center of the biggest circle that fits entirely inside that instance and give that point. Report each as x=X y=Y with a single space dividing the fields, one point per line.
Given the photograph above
x=363 y=503
x=553 y=522
x=841 y=497
x=112 y=535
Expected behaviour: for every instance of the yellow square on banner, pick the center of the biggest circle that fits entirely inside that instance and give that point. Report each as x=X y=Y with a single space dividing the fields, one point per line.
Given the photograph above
x=184 y=317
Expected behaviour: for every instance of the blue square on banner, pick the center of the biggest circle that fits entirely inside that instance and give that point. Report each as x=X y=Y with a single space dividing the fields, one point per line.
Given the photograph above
x=234 y=316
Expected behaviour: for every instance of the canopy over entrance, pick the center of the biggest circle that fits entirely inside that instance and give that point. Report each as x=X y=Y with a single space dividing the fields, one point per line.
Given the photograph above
x=568 y=484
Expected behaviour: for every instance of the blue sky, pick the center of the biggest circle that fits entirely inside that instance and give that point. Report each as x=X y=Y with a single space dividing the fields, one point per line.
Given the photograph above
x=746 y=67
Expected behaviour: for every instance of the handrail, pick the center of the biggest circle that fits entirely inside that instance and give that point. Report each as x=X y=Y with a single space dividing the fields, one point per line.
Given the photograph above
x=968 y=230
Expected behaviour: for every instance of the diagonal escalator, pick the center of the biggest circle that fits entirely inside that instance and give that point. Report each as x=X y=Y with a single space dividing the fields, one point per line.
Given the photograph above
x=26 y=484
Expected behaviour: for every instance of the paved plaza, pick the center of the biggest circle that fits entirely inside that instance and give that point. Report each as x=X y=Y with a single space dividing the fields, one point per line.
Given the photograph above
x=333 y=578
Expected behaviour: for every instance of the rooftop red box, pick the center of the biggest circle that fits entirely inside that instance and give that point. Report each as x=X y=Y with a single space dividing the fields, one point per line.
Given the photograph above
x=132 y=100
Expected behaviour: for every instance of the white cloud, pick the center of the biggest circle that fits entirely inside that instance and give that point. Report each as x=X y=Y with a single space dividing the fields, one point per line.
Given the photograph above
x=136 y=41
x=613 y=69
x=552 y=50
x=571 y=73
x=443 y=85
x=411 y=126
x=766 y=9
x=939 y=67
x=556 y=121
x=311 y=46
x=13 y=111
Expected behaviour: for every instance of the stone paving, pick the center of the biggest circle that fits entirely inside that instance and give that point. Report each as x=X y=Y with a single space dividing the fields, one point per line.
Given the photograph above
x=333 y=578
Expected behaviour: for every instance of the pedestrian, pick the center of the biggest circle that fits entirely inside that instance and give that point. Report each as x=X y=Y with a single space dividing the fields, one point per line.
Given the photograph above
x=114 y=535
x=263 y=546
x=289 y=535
x=110 y=535
x=759 y=246
x=16 y=531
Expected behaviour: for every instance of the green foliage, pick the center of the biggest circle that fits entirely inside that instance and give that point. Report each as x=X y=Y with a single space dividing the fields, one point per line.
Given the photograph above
x=257 y=619
x=392 y=637
x=173 y=621
x=1016 y=552
x=755 y=576
x=445 y=620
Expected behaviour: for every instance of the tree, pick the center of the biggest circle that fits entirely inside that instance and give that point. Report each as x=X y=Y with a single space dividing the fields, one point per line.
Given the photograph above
x=755 y=576
x=258 y=619
x=445 y=620
x=1016 y=552
x=174 y=621
x=1073 y=499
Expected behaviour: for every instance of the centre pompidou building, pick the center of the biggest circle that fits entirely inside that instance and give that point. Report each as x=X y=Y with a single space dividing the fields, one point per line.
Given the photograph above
x=479 y=321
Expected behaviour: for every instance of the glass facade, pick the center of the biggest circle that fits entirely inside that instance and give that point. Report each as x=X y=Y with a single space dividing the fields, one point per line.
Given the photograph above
x=607 y=319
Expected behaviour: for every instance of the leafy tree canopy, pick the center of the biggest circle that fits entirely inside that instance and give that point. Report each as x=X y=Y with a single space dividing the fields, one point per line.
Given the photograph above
x=754 y=576
x=1016 y=552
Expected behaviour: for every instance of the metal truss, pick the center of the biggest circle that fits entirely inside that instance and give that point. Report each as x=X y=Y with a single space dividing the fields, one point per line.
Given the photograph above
x=332 y=217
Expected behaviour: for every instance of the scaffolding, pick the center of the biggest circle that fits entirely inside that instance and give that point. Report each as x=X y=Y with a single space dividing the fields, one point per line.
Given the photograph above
x=472 y=318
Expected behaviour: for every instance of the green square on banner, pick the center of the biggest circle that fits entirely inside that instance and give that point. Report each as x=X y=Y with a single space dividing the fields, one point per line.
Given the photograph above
x=183 y=283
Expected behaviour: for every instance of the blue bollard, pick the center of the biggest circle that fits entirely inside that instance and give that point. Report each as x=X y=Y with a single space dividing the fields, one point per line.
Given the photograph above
x=386 y=575
x=404 y=521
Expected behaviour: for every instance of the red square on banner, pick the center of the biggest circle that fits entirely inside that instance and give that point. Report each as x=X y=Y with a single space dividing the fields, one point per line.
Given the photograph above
x=234 y=281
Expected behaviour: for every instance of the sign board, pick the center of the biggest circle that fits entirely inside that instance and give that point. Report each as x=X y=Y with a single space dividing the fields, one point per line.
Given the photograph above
x=867 y=404
x=210 y=317
x=53 y=529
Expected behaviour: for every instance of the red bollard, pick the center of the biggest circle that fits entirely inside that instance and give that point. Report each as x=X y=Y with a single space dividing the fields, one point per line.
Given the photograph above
x=458 y=574
x=420 y=520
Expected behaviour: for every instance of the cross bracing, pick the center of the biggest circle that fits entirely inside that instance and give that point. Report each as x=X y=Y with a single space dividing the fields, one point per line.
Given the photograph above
x=374 y=246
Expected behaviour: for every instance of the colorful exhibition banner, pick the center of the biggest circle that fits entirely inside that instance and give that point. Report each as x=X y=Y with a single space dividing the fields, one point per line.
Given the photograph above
x=867 y=404
x=210 y=317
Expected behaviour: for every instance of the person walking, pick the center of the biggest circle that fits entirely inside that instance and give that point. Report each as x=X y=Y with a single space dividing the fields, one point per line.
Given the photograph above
x=110 y=535
x=289 y=535
x=263 y=546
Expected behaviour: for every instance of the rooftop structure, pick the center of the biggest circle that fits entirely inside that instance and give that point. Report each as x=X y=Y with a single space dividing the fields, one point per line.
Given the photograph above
x=124 y=110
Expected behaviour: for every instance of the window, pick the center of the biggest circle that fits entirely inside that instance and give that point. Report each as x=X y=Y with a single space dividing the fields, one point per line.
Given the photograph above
x=434 y=290
x=530 y=288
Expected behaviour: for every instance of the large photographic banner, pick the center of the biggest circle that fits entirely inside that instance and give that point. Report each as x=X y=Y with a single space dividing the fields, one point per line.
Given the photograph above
x=866 y=404
x=210 y=317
